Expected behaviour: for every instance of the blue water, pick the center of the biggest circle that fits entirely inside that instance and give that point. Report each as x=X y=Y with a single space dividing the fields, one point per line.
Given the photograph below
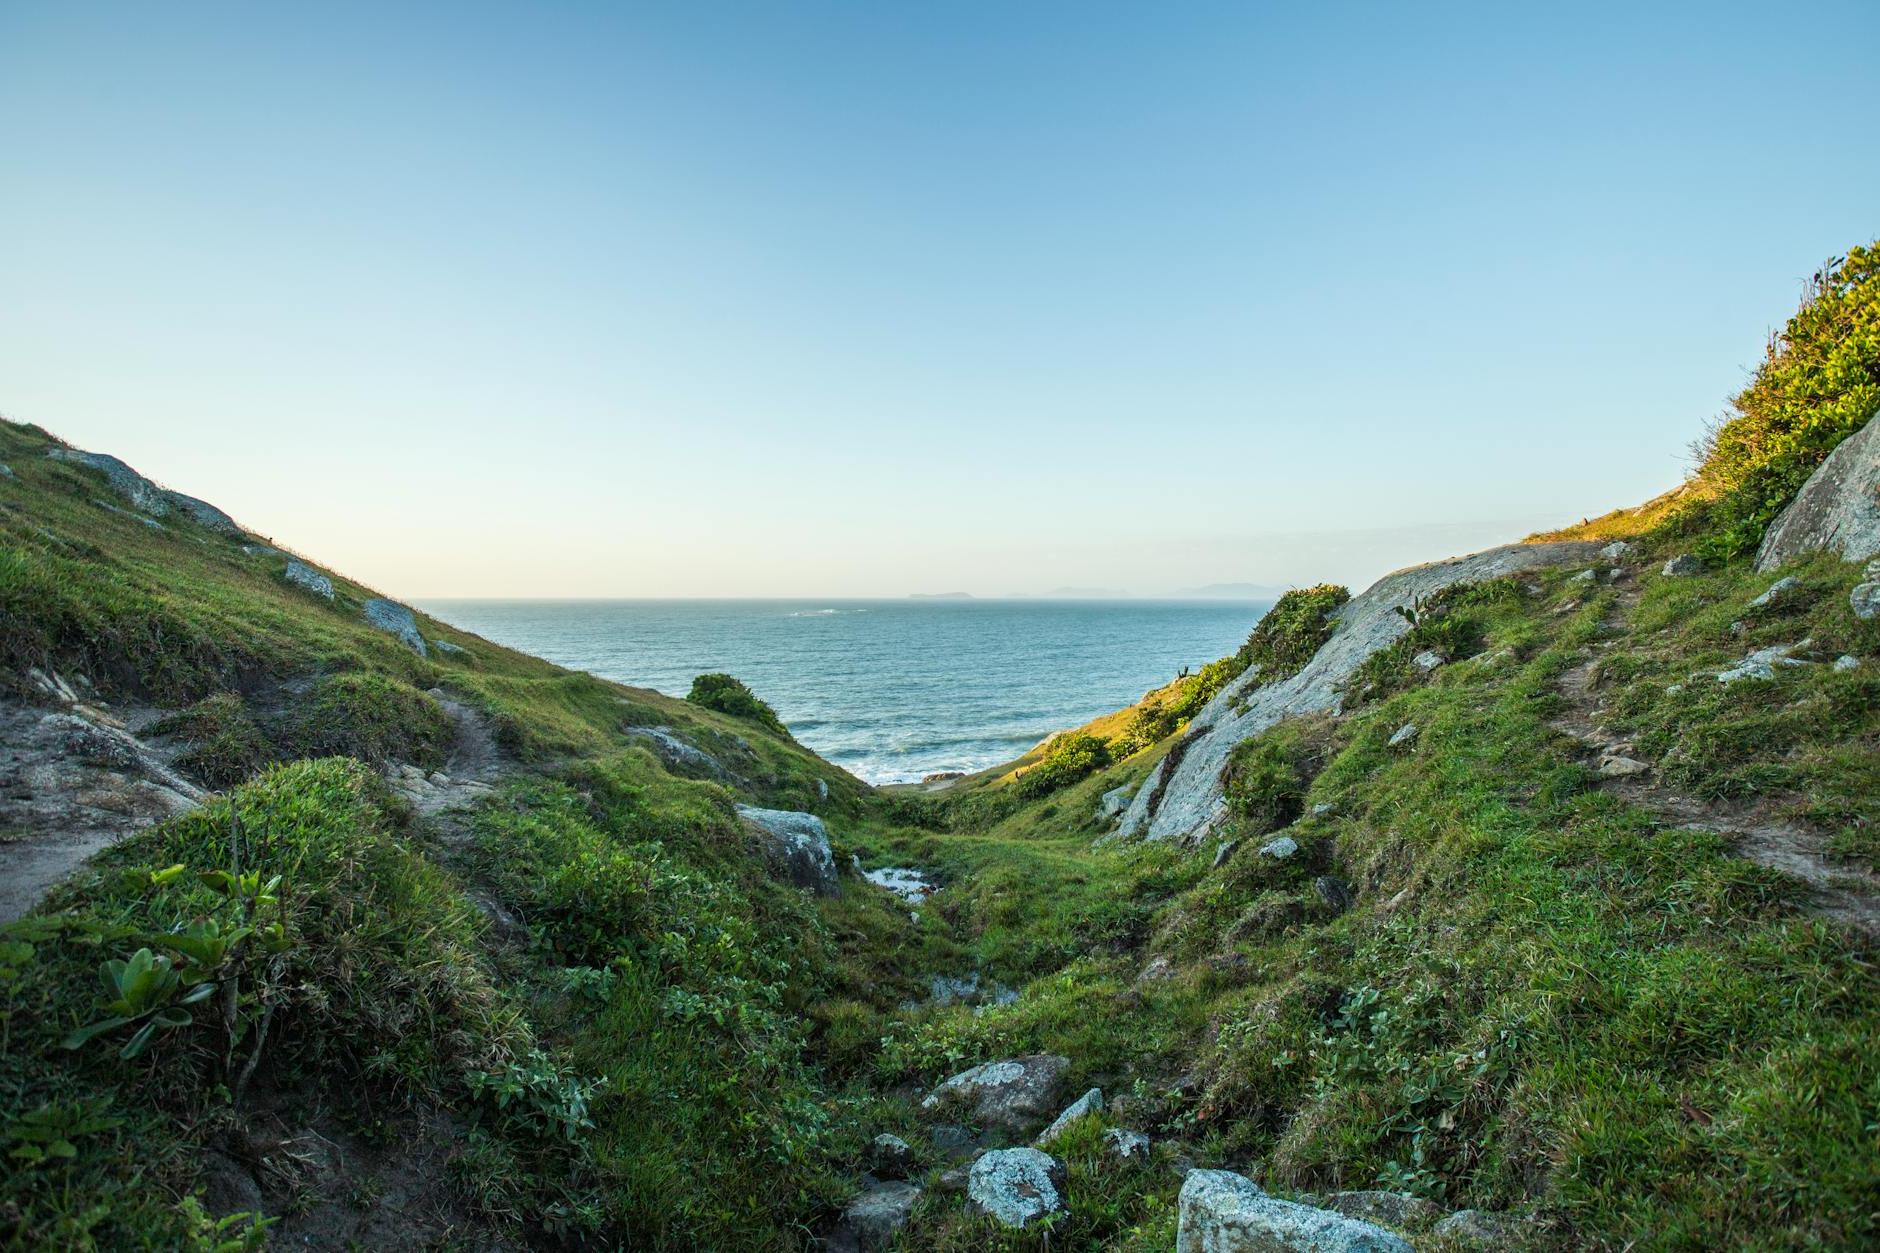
x=890 y=689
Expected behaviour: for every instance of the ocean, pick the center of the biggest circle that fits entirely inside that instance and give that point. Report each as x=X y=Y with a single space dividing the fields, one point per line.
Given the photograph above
x=890 y=690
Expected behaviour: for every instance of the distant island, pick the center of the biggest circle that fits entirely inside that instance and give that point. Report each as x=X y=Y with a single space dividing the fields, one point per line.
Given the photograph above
x=940 y=596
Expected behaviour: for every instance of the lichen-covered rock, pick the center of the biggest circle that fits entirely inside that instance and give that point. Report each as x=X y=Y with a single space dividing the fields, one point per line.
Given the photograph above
x=1090 y=1102
x=449 y=649
x=1278 y=849
x=1615 y=550
x=1184 y=792
x=1114 y=801
x=1403 y=735
x=1683 y=566
x=1761 y=664
x=872 y=1219
x=1429 y=659
x=1222 y=1212
x=1128 y=1146
x=1014 y=1095
x=678 y=754
x=1846 y=662
x=1838 y=509
x=1777 y=590
x=799 y=847
x=890 y=1156
x=1016 y=1187
x=389 y=615
x=1865 y=600
x=144 y=495
x=302 y=575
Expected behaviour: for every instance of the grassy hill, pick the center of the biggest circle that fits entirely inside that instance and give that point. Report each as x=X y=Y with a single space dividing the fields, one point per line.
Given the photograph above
x=1590 y=949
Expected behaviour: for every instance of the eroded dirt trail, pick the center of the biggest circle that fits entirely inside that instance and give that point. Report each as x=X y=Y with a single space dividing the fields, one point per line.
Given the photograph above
x=1757 y=830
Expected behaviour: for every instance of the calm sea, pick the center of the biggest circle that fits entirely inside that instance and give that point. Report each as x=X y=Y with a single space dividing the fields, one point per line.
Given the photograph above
x=890 y=689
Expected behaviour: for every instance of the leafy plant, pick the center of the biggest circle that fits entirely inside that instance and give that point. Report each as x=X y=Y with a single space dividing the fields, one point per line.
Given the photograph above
x=535 y=1093
x=48 y=1133
x=145 y=989
x=1070 y=758
x=728 y=695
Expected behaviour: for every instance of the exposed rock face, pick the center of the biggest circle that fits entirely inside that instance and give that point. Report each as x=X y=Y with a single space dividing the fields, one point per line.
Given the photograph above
x=1089 y=1103
x=146 y=496
x=1013 y=1095
x=1838 y=509
x=300 y=574
x=1222 y=1212
x=1184 y=792
x=1016 y=1186
x=872 y=1219
x=389 y=615
x=799 y=845
x=678 y=754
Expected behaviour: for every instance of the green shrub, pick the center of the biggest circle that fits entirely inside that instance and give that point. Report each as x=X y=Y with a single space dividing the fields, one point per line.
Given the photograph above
x=373 y=718
x=728 y=695
x=1071 y=757
x=1267 y=776
x=1818 y=384
x=226 y=746
x=1292 y=631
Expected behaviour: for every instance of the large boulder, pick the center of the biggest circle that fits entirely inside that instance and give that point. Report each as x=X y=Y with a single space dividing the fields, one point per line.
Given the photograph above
x=1016 y=1187
x=798 y=846
x=1222 y=1212
x=1012 y=1096
x=870 y=1222
x=1184 y=793
x=1089 y=1103
x=679 y=754
x=1838 y=509
x=389 y=615
x=145 y=496
x=302 y=575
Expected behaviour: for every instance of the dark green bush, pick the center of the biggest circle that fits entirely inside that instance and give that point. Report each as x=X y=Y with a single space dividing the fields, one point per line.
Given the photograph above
x=1819 y=383
x=1292 y=631
x=728 y=695
x=1071 y=757
x=1267 y=776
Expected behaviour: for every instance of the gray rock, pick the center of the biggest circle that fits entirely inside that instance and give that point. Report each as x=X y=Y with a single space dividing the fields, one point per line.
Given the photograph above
x=1777 y=590
x=389 y=615
x=1335 y=892
x=449 y=649
x=1847 y=661
x=1158 y=969
x=1279 y=849
x=1090 y=1102
x=1761 y=664
x=799 y=845
x=1013 y=1095
x=679 y=755
x=1403 y=735
x=144 y=495
x=1016 y=1187
x=872 y=1220
x=1865 y=600
x=1612 y=552
x=6 y=471
x=1128 y=1146
x=1186 y=787
x=93 y=744
x=1222 y=1212
x=1428 y=660
x=822 y=789
x=300 y=574
x=1683 y=566
x=1390 y=1209
x=1584 y=576
x=890 y=1157
x=1838 y=509
x=1225 y=851
x=1614 y=766
x=1480 y=1229
x=1114 y=801
x=953 y=1139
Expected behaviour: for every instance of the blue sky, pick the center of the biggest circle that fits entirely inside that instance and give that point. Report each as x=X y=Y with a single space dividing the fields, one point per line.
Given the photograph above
x=767 y=299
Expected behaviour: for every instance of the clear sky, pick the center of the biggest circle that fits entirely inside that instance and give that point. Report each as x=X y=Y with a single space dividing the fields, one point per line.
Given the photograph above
x=871 y=298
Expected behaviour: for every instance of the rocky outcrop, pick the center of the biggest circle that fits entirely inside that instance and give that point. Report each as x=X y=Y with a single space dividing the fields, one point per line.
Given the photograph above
x=1089 y=1103
x=1016 y=1187
x=1837 y=510
x=1183 y=795
x=1682 y=566
x=389 y=615
x=871 y=1221
x=798 y=845
x=679 y=756
x=144 y=495
x=1113 y=802
x=1013 y=1095
x=302 y=575
x=1222 y=1212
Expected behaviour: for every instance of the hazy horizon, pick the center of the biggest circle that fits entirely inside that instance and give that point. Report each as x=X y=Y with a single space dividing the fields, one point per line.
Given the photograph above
x=491 y=302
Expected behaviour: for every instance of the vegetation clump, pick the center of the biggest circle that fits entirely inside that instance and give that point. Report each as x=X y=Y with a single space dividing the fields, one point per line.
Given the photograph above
x=729 y=695
x=1072 y=756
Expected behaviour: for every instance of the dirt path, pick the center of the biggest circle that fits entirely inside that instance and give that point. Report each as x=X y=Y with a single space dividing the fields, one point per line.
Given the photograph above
x=475 y=765
x=1843 y=893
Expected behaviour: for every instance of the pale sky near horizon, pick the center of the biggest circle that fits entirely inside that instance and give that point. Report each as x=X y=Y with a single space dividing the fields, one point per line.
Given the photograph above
x=868 y=299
